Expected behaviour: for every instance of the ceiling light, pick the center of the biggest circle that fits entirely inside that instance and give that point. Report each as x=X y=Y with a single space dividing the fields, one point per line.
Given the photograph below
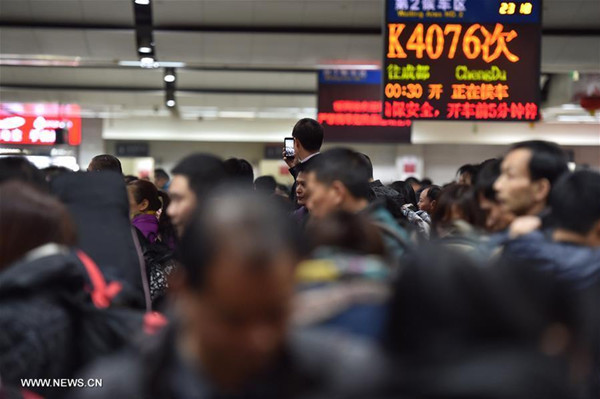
x=170 y=103
x=170 y=75
x=147 y=62
x=142 y=2
x=145 y=49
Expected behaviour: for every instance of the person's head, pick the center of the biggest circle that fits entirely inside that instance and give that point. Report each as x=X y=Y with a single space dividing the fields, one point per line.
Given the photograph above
x=497 y=218
x=54 y=171
x=19 y=168
x=105 y=162
x=414 y=182
x=193 y=178
x=406 y=192
x=265 y=185
x=337 y=180
x=346 y=232
x=129 y=178
x=429 y=198
x=238 y=260
x=527 y=174
x=308 y=137
x=30 y=218
x=161 y=178
x=240 y=171
x=457 y=202
x=301 y=194
x=369 y=165
x=575 y=203
x=425 y=182
x=466 y=174
x=282 y=190
x=143 y=198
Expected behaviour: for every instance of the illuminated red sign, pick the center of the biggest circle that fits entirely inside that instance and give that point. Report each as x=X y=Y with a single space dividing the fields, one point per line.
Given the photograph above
x=40 y=124
x=350 y=108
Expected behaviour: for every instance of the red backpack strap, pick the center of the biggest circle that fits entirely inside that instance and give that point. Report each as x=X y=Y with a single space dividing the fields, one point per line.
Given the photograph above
x=102 y=294
x=154 y=322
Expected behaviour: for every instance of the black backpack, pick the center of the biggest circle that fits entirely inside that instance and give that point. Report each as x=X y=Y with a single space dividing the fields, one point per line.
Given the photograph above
x=160 y=262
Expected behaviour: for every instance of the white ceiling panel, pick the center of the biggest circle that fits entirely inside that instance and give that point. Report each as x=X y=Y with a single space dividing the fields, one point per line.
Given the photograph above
x=109 y=44
x=18 y=41
x=63 y=42
x=111 y=12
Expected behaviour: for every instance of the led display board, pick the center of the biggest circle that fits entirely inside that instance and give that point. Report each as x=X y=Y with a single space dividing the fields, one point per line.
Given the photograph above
x=462 y=60
x=40 y=124
x=349 y=108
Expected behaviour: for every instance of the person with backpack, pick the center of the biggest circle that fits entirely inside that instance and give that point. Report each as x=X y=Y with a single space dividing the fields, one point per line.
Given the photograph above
x=55 y=304
x=155 y=232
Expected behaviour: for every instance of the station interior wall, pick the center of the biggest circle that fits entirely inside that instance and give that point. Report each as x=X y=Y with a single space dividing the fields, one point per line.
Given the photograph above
x=439 y=149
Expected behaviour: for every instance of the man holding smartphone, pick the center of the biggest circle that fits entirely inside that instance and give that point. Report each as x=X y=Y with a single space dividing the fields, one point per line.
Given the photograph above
x=308 y=138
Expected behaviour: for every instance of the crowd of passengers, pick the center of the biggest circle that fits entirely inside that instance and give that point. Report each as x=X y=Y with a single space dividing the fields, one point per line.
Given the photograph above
x=208 y=283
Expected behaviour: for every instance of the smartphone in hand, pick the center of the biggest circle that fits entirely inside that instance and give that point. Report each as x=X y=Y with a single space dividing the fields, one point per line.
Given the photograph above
x=288 y=147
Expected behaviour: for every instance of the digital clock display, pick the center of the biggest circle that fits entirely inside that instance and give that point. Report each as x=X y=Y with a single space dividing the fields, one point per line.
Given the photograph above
x=462 y=60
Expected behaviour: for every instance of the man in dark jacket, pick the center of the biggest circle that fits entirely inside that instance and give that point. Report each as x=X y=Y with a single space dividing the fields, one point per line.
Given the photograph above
x=339 y=181
x=230 y=338
x=571 y=252
x=308 y=139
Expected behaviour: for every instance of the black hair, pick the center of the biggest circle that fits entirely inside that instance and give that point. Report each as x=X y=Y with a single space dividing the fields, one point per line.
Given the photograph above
x=369 y=164
x=129 y=178
x=345 y=231
x=203 y=171
x=575 y=201
x=265 y=184
x=548 y=160
x=19 y=168
x=54 y=171
x=161 y=173
x=240 y=171
x=486 y=177
x=344 y=165
x=469 y=169
x=406 y=192
x=309 y=133
x=433 y=192
x=412 y=179
x=157 y=200
x=461 y=197
x=284 y=188
x=426 y=182
x=105 y=162
x=255 y=224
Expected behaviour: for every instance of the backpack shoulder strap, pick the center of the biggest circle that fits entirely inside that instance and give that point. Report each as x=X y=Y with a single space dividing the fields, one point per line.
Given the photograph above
x=102 y=293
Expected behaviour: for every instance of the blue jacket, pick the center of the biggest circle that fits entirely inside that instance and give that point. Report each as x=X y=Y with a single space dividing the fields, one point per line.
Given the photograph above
x=575 y=264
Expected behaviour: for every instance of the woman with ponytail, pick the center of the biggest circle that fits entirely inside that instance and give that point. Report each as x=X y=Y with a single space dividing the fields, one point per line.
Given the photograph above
x=147 y=207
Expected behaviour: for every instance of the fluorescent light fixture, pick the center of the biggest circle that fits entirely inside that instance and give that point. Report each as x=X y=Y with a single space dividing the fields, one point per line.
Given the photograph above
x=362 y=67
x=169 y=75
x=142 y=2
x=237 y=114
x=578 y=119
x=170 y=103
x=160 y=64
x=145 y=49
x=571 y=107
x=147 y=62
